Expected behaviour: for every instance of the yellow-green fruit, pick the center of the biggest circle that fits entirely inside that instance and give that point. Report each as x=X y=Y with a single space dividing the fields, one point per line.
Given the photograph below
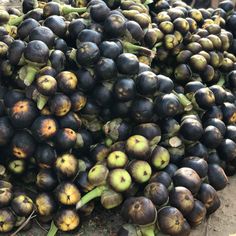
x=138 y=147
x=160 y=157
x=67 y=165
x=7 y=220
x=67 y=220
x=117 y=159
x=22 y=205
x=98 y=175
x=120 y=180
x=17 y=167
x=68 y=194
x=140 y=171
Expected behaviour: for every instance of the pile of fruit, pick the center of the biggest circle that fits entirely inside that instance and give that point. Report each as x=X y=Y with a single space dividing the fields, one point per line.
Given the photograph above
x=128 y=104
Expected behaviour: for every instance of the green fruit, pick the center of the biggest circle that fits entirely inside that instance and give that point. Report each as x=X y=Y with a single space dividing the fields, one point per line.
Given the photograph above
x=140 y=171
x=117 y=159
x=120 y=180
x=138 y=147
x=160 y=157
x=98 y=174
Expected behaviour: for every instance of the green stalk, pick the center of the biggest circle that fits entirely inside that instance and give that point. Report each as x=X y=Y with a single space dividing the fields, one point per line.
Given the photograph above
x=158 y=45
x=30 y=75
x=148 y=231
x=97 y=192
x=221 y=82
x=15 y=20
x=67 y=9
x=53 y=230
x=184 y=101
x=136 y=49
x=41 y=101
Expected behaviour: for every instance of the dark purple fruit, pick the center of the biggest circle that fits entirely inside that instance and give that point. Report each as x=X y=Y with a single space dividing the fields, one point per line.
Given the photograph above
x=188 y=178
x=217 y=177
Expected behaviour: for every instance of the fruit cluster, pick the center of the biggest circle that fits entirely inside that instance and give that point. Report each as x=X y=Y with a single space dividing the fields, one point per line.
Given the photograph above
x=127 y=101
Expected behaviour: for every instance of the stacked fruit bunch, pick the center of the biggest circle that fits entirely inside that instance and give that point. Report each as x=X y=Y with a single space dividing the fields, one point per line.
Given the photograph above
x=130 y=102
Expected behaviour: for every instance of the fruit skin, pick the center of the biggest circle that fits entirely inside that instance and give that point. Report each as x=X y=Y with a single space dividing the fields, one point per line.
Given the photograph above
x=198 y=213
x=46 y=180
x=66 y=165
x=209 y=197
x=197 y=164
x=161 y=177
x=60 y=104
x=22 y=145
x=150 y=131
x=119 y=179
x=212 y=137
x=157 y=193
x=65 y=139
x=140 y=171
x=44 y=128
x=170 y=220
x=139 y=210
x=67 y=220
x=6 y=193
x=46 y=85
x=137 y=147
x=217 y=177
x=45 y=156
x=45 y=204
x=111 y=199
x=188 y=178
x=6 y=131
x=23 y=113
x=227 y=150
x=191 y=129
x=98 y=174
x=160 y=157
x=8 y=220
x=67 y=193
x=117 y=159
x=22 y=205
x=182 y=199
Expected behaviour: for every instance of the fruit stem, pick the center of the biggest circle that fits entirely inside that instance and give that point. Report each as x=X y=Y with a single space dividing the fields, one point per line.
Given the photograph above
x=158 y=45
x=136 y=49
x=184 y=101
x=30 y=75
x=53 y=230
x=72 y=55
x=97 y=192
x=67 y=9
x=108 y=142
x=41 y=101
x=221 y=82
x=15 y=20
